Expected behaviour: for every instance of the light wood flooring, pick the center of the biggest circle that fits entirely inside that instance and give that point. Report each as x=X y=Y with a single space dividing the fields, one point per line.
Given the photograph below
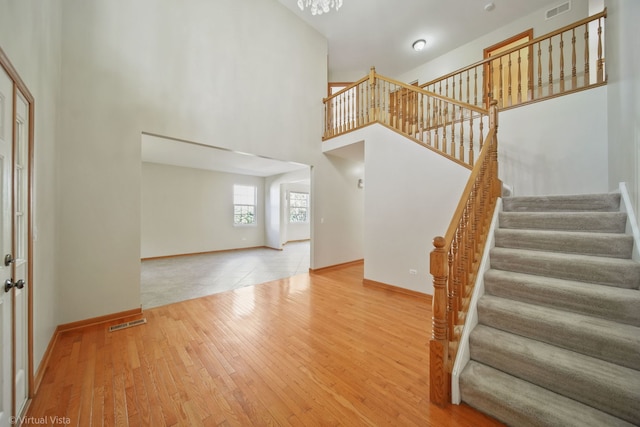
x=316 y=349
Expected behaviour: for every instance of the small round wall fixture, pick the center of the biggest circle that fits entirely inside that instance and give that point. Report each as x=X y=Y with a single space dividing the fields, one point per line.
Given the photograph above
x=418 y=45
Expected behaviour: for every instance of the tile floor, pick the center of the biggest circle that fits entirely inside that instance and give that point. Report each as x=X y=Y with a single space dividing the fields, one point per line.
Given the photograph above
x=168 y=280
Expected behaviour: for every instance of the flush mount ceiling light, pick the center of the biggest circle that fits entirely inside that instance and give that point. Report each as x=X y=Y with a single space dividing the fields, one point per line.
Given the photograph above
x=418 y=45
x=318 y=7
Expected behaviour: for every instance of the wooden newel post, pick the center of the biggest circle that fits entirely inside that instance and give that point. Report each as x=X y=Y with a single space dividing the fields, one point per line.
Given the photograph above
x=440 y=388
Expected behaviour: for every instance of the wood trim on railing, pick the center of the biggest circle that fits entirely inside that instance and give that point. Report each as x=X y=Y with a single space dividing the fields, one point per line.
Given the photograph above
x=454 y=262
x=449 y=127
x=583 y=21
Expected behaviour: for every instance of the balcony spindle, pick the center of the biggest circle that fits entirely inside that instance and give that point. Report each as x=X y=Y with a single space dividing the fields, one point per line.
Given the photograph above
x=550 y=68
x=539 y=70
x=461 y=139
x=453 y=130
x=519 y=97
x=471 y=156
x=586 y=55
x=509 y=93
x=561 y=64
x=574 y=73
x=475 y=84
x=529 y=75
x=500 y=81
x=600 y=71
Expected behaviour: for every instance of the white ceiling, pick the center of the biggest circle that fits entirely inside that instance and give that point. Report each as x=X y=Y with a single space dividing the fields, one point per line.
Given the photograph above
x=366 y=33
x=176 y=152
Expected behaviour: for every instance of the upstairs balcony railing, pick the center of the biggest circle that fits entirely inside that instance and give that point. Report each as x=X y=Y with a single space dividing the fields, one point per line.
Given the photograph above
x=452 y=128
x=567 y=60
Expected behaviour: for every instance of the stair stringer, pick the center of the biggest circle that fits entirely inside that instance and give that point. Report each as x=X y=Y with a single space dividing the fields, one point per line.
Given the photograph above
x=464 y=356
x=632 y=223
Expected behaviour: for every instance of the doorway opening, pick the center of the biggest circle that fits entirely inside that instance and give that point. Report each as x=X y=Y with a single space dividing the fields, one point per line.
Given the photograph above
x=510 y=77
x=199 y=236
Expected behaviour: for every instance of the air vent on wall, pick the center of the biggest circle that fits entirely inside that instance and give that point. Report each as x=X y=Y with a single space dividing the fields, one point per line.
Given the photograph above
x=558 y=10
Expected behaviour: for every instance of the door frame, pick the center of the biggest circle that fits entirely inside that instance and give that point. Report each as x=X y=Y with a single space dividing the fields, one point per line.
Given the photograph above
x=486 y=53
x=20 y=86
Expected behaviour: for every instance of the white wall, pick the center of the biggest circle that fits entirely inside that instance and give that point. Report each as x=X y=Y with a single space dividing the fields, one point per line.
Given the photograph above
x=623 y=101
x=186 y=210
x=30 y=37
x=337 y=206
x=558 y=146
x=410 y=195
x=130 y=67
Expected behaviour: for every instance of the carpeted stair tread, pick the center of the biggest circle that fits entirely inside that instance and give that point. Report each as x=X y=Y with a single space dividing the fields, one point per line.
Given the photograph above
x=609 y=202
x=602 y=222
x=520 y=403
x=616 y=304
x=622 y=273
x=591 y=336
x=614 y=245
x=558 y=335
x=606 y=386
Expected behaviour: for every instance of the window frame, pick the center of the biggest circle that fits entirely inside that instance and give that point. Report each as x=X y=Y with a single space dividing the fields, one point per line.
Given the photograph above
x=237 y=198
x=290 y=206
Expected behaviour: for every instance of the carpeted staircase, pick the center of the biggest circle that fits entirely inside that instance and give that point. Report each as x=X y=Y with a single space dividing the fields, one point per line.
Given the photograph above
x=558 y=335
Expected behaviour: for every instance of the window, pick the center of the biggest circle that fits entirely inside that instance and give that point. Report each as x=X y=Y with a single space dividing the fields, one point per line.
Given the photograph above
x=298 y=207
x=244 y=204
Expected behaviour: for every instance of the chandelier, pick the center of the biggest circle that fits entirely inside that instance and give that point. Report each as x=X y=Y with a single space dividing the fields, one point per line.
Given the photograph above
x=318 y=7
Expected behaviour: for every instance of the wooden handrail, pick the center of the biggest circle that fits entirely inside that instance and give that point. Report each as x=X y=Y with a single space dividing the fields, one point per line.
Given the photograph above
x=451 y=128
x=519 y=79
x=583 y=21
x=454 y=262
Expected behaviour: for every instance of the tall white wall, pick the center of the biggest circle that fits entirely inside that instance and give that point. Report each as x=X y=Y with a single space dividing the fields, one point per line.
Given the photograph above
x=30 y=37
x=186 y=210
x=247 y=76
x=413 y=193
x=410 y=194
x=558 y=146
x=337 y=206
x=623 y=101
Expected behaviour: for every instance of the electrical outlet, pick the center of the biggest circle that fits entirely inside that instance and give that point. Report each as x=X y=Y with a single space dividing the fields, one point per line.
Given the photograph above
x=413 y=271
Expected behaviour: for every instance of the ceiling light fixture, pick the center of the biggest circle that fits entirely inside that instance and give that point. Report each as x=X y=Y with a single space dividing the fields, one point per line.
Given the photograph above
x=318 y=7
x=418 y=45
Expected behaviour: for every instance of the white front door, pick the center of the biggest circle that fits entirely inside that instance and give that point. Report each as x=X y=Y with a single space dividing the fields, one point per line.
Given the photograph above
x=14 y=250
x=6 y=237
x=21 y=250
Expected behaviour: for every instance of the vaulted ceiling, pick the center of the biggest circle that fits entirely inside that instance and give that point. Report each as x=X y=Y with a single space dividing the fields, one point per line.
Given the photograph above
x=365 y=33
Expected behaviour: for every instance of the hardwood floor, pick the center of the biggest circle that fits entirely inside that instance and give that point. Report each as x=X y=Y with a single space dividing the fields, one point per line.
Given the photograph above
x=314 y=349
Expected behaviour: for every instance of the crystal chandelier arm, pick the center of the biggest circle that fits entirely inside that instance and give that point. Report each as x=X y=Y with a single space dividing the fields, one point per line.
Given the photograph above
x=318 y=7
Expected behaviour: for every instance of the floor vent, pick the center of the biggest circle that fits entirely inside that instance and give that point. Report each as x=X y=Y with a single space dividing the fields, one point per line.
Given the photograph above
x=127 y=325
x=558 y=10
